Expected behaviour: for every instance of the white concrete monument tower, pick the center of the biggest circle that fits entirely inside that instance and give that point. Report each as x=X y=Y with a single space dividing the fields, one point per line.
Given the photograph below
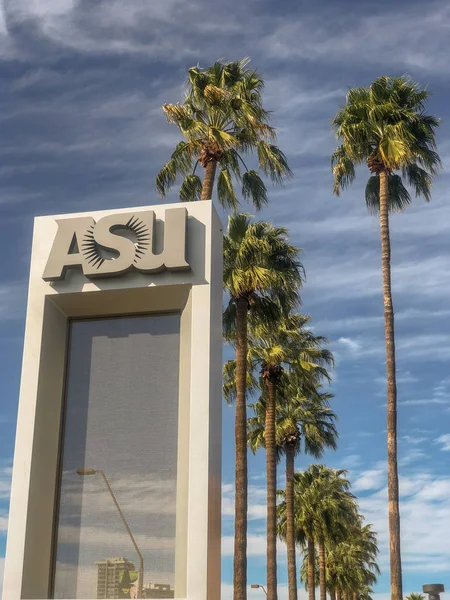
x=116 y=479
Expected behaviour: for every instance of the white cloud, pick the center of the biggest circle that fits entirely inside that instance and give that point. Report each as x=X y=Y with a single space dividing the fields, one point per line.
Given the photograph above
x=256 y=501
x=12 y=300
x=439 y=395
x=161 y=29
x=100 y=537
x=256 y=545
x=5 y=482
x=353 y=345
x=362 y=278
x=372 y=479
x=445 y=441
x=159 y=494
x=425 y=506
x=410 y=40
x=411 y=456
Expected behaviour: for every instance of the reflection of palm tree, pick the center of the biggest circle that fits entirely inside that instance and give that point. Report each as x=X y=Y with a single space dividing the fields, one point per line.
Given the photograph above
x=89 y=472
x=127 y=588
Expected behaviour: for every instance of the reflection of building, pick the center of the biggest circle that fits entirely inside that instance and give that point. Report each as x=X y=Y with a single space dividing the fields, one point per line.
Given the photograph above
x=109 y=575
x=157 y=590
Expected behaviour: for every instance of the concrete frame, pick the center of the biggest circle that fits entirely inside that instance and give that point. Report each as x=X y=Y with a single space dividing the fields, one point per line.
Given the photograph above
x=197 y=295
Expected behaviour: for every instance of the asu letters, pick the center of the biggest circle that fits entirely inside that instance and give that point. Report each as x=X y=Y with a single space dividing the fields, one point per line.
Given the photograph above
x=102 y=250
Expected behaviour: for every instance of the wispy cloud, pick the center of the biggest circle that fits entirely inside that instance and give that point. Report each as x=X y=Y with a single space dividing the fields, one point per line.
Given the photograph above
x=5 y=481
x=372 y=479
x=411 y=40
x=444 y=440
x=440 y=394
x=350 y=344
x=12 y=300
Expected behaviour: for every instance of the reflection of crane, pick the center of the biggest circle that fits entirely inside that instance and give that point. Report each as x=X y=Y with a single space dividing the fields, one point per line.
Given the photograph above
x=88 y=472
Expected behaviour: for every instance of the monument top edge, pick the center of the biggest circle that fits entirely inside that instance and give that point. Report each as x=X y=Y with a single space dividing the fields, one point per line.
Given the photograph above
x=199 y=207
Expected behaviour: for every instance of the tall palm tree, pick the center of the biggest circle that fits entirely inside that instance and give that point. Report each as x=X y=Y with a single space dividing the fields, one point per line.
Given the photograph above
x=325 y=508
x=301 y=422
x=386 y=127
x=318 y=431
x=222 y=120
x=288 y=346
x=351 y=563
x=262 y=275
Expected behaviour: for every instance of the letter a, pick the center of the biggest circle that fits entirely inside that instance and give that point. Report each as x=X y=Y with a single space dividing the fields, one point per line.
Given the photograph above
x=65 y=252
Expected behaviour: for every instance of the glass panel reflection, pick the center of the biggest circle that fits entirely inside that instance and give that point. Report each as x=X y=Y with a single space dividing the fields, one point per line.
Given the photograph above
x=115 y=536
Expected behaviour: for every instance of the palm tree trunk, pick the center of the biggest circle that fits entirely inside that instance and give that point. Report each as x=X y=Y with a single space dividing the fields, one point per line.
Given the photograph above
x=240 y=508
x=393 y=495
x=338 y=595
x=355 y=596
x=322 y=572
x=208 y=181
x=311 y=571
x=332 y=594
x=271 y=475
x=290 y=522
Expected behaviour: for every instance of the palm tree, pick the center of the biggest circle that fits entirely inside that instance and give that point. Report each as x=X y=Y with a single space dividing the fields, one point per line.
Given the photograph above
x=222 y=120
x=385 y=126
x=366 y=593
x=324 y=509
x=351 y=563
x=301 y=421
x=309 y=569
x=275 y=349
x=262 y=274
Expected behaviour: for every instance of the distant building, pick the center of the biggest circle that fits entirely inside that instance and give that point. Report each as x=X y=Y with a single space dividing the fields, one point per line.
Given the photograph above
x=109 y=575
x=158 y=590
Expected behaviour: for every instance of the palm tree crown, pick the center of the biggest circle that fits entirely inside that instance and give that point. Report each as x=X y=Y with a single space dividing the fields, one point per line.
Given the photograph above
x=303 y=421
x=260 y=266
x=386 y=127
x=222 y=120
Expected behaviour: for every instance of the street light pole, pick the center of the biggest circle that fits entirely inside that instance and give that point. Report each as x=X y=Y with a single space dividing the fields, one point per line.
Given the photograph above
x=256 y=586
x=87 y=472
x=433 y=590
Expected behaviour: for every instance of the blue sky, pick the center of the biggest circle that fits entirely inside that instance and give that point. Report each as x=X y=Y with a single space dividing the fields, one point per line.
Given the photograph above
x=82 y=84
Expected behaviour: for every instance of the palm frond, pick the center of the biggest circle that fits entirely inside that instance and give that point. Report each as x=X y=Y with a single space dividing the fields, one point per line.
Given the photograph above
x=273 y=162
x=191 y=189
x=180 y=163
x=419 y=179
x=225 y=190
x=399 y=197
x=253 y=189
x=343 y=169
x=166 y=178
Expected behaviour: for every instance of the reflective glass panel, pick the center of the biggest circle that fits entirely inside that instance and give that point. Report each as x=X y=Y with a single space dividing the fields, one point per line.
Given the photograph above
x=119 y=459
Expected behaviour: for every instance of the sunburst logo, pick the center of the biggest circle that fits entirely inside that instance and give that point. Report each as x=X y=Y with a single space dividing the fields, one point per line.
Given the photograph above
x=118 y=243
x=92 y=251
